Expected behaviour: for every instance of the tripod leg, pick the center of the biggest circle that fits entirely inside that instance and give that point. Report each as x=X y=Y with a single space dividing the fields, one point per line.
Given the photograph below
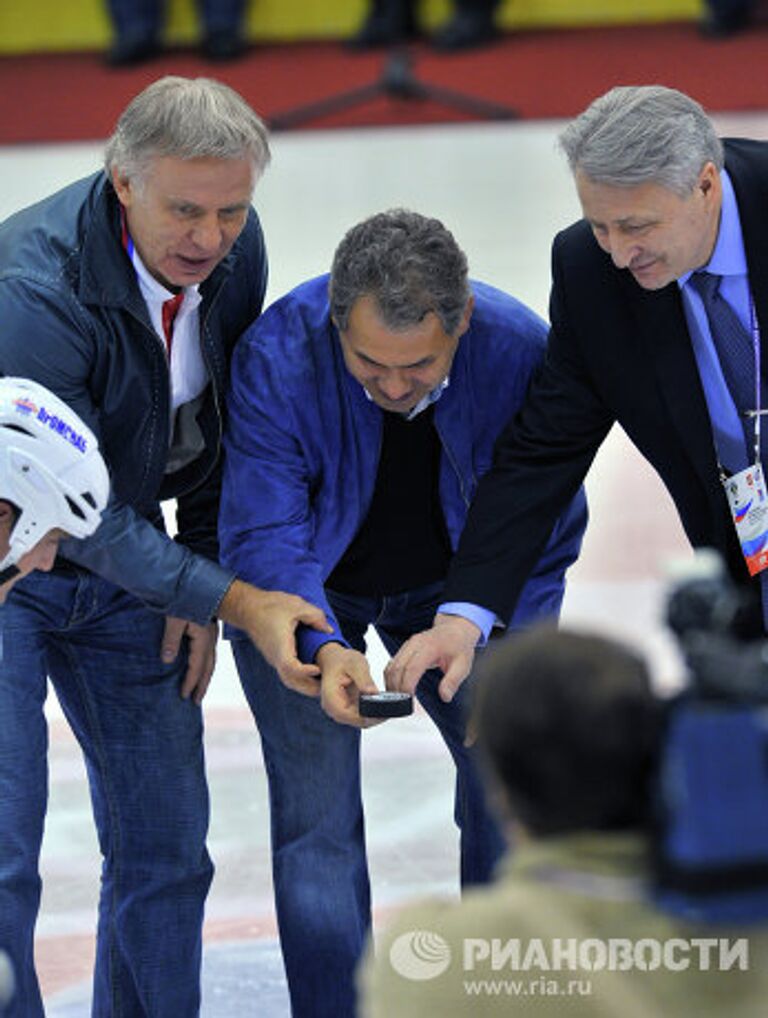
x=325 y=107
x=484 y=109
x=397 y=82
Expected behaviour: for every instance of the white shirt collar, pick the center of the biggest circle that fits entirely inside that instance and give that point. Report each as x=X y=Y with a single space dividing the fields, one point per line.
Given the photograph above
x=153 y=288
x=425 y=401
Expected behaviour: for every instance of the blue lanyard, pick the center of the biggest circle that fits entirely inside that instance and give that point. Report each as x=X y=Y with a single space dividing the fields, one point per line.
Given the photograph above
x=758 y=412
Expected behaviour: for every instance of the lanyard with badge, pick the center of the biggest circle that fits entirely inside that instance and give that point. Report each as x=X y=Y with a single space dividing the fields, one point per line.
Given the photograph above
x=745 y=490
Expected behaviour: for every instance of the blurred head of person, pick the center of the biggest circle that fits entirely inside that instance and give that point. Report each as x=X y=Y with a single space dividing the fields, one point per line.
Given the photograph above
x=569 y=727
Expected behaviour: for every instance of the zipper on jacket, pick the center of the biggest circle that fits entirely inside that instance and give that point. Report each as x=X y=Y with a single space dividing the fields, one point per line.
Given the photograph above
x=216 y=399
x=447 y=450
x=158 y=344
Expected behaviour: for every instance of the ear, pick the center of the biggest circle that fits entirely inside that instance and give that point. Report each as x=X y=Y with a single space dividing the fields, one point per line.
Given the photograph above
x=465 y=317
x=709 y=180
x=122 y=186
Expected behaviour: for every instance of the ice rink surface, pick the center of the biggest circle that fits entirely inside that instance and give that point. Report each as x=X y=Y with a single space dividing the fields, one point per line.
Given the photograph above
x=503 y=191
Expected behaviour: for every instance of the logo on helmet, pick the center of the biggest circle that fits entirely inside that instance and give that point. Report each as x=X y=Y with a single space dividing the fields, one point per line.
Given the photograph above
x=68 y=433
x=25 y=406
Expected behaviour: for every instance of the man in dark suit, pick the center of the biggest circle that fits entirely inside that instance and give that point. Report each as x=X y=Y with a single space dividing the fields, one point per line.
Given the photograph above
x=633 y=339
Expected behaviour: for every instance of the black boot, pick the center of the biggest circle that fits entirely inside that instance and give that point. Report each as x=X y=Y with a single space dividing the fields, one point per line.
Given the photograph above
x=128 y=50
x=388 y=22
x=471 y=25
x=723 y=19
x=223 y=44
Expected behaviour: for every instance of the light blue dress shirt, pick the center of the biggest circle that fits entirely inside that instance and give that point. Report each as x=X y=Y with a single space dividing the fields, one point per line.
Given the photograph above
x=728 y=260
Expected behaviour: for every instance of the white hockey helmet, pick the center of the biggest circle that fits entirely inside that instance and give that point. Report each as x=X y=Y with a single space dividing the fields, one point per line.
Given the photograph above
x=50 y=467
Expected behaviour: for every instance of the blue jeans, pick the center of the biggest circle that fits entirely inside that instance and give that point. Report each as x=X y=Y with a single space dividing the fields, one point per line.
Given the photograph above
x=144 y=756
x=318 y=842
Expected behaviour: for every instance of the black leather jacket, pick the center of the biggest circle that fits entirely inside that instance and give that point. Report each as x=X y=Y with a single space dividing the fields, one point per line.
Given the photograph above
x=73 y=318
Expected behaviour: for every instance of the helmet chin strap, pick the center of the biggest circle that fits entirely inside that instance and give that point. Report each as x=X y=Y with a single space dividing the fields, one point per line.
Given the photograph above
x=8 y=574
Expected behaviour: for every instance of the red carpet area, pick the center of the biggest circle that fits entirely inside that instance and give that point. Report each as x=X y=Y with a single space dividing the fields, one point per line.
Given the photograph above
x=65 y=97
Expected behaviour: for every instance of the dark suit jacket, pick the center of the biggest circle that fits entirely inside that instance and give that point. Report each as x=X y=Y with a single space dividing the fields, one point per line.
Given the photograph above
x=616 y=352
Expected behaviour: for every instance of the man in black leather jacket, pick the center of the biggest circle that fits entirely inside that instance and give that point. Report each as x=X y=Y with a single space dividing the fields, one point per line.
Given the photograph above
x=124 y=294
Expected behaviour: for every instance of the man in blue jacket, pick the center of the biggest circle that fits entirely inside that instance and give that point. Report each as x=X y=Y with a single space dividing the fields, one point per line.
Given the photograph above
x=90 y=281
x=358 y=429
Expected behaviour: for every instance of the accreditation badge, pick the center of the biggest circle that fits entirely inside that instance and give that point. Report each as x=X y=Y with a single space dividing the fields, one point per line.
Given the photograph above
x=748 y=502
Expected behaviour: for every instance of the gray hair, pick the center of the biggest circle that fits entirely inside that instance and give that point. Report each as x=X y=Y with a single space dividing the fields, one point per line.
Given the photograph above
x=643 y=134
x=409 y=264
x=187 y=118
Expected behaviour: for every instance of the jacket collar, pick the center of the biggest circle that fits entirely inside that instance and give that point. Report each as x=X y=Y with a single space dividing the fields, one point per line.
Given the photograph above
x=664 y=334
x=603 y=865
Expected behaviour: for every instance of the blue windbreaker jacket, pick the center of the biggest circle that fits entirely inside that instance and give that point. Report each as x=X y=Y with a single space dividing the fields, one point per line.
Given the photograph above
x=303 y=441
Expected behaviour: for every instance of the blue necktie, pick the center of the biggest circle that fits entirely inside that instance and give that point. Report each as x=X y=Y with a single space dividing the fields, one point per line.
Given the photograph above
x=737 y=359
x=734 y=348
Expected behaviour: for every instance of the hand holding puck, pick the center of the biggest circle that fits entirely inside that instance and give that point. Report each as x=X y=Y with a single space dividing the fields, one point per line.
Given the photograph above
x=385 y=705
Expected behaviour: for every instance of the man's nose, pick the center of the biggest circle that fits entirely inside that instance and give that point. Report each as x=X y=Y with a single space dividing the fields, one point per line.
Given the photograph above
x=621 y=249
x=395 y=385
x=206 y=233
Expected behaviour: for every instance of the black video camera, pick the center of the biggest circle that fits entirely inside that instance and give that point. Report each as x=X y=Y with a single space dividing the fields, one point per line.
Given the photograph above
x=712 y=788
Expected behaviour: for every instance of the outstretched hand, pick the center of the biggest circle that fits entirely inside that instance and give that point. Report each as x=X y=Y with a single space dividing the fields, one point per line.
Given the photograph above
x=270 y=619
x=449 y=645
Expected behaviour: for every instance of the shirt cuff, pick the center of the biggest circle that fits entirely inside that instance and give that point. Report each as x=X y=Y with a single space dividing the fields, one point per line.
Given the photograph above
x=484 y=619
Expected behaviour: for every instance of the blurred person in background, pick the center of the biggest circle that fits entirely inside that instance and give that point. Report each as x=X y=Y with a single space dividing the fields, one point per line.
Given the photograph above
x=389 y=22
x=138 y=29
x=571 y=731
x=722 y=18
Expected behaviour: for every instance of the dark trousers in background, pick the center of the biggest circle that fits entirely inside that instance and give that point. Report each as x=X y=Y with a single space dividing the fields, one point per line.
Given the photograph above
x=144 y=18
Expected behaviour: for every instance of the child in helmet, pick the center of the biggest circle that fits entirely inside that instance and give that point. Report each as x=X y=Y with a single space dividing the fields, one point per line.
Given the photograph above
x=53 y=481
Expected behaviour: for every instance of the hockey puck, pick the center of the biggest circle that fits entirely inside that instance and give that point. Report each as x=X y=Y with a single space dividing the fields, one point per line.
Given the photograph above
x=385 y=705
